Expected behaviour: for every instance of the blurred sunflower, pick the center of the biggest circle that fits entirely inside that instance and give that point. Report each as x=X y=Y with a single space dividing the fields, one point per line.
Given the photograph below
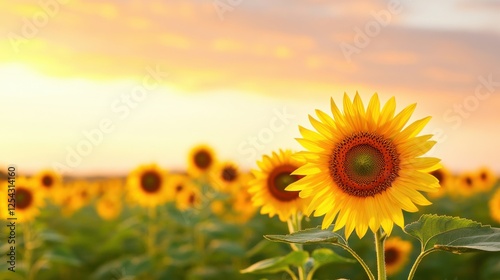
x=494 y=205
x=108 y=207
x=445 y=178
x=268 y=188
x=201 y=160
x=188 y=198
x=226 y=177
x=75 y=195
x=28 y=200
x=48 y=180
x=242 y=206
x=363 y=167
x=147 y=185
x=466 y=184
x=176 y=183
x=397 y=252
x=486 y=179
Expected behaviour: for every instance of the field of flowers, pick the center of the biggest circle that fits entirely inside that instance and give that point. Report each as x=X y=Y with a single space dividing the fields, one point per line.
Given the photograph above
x=209 y=221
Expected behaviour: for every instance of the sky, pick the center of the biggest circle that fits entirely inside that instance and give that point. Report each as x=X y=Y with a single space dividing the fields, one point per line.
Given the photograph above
x=100 y=87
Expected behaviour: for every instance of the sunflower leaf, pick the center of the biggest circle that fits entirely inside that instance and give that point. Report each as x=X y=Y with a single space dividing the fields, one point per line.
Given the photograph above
x=309 y=236
x=454 y=234
x=273 y=265
x=324 y=256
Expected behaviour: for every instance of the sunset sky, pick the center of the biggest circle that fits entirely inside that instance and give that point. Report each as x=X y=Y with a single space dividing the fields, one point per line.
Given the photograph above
x=144 y=81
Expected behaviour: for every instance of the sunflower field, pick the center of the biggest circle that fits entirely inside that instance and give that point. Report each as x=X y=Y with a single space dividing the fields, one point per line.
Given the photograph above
x=311 y=214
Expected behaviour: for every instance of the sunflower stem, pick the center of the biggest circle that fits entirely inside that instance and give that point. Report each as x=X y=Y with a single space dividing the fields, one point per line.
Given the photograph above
x=294 y=225
x=358 y=258
x=27 y=247
x=417 y=262
x=151 y=230
x=379 y=247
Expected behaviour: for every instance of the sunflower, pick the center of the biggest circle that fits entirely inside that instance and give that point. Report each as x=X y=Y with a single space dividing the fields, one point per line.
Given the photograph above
x=108 y=207
x=176 y=183
x=397 y=252
x=147 y=185
x=445 y=178
x=201 y=160
x=242 y=206
x=363 y=167
x=226 y=177
x=268 y=188
x=27 y=200
x=188 y=198
x=495 y=206
x=486 y=179
x=467 y=184
x=48 y=180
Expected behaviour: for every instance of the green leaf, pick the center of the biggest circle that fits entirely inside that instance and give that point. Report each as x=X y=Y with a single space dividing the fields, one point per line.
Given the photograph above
x=454 y=234
x=310 y=236
x=325 y=256
x=273 y=265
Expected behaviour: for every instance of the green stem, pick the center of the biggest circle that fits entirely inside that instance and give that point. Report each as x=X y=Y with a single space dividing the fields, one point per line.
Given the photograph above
x=417 y=262
x=151 y=230
x=379 y=247
x=294 y=224
x=294 y=277
x=28 y=248
x=311 y=274
x=358 y=258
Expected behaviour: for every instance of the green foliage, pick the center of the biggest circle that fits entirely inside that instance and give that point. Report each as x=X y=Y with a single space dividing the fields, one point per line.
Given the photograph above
x=273 y=265
x=310 y=236
x=454 y=234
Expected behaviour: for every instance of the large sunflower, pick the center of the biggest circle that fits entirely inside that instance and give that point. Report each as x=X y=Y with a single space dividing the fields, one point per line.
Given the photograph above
x=397 y=252
x=268 y=188
x=364 y=167
x=147 y=185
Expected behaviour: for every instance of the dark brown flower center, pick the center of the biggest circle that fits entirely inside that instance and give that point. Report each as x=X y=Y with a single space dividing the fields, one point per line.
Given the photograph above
x=392 y=255
x=468 y=181
x=150 y=182
x=439 y=175
x=24 y=198
x=364 y=164
x=179 y=188
x=483 y=176
x=202 y=159
x=191 y=199
x=279 y=179
x=229 y=174
x=47 y=181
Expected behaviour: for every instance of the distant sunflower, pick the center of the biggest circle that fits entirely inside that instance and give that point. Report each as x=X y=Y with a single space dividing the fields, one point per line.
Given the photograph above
x=494 y=205
x=397 y=252
x=188 y=198
x=28 y=200
x=467 y=184
x=271 y=179
x=147 y=185
x=226 y=177
x=445 y=178
x=364 y=167
x=201 y=160
x=242 y=206
x=108 y=207
x=486 y=179
x=48 y=180
x=176 y=184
